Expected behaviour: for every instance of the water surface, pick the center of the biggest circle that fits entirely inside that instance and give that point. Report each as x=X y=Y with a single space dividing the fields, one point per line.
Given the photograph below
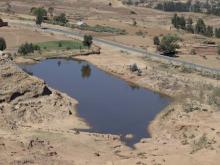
x=108 y=104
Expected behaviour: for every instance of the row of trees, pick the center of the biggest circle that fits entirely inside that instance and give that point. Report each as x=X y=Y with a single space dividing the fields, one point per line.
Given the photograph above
x=27 y=48
x=174 y=6
x=208 y=7
x=200 y=27
x=42 y=15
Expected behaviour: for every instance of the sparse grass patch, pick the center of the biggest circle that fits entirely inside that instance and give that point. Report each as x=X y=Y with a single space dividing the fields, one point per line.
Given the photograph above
x=101 y=28
x=186 y=69
x=214 y=97
x=202 y=142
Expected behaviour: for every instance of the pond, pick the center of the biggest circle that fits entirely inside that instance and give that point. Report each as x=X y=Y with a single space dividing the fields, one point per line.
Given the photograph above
x=108 y=104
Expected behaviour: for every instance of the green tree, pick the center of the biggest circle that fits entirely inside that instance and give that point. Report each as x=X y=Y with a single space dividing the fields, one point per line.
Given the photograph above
x=209 y=31
x=61 y=19
x=200 y=27
x=174 y=20
x=189 y=25
x=39 y=20
x=178 y=22
x=2 y=44
x=27 y=48
x=217 y=32
x=169 y=43
x=182 y=22
x=39 y=11
x=156 y=40
x=87 y=41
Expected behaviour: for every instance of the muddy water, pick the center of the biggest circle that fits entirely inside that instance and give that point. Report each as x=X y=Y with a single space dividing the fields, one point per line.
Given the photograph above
x=108 y=104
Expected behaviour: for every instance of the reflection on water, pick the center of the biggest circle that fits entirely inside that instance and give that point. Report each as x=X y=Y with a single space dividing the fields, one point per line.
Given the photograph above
x=108 y=104
x=86 y=71
x=134 y=86
x=59 y=63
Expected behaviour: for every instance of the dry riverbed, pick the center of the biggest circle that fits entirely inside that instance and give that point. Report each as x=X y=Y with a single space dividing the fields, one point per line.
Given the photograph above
x=38 y=125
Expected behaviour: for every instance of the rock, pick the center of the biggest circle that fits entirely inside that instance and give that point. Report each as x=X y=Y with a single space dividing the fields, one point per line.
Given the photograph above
x=129 y=136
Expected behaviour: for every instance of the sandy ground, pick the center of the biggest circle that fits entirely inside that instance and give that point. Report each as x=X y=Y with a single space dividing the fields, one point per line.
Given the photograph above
x=186 y=132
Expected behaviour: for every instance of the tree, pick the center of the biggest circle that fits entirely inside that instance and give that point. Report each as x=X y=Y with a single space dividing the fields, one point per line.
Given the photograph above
x=200 y=27
x=39 y=11
x=2 y=44
x=209 y=31
x=169 y=43
x=61 y=19
x=178 y=22
x=39 y=20
x=27 y=48
x=156 y=40
x=217 y=32
x=189 y=25
x=174 y=20
x=51 y=11
x=182 y=22
x=87 y=40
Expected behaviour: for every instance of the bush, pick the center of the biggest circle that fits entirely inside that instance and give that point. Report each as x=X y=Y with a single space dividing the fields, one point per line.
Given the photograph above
x=156 y=40
x=87 y=40
x=169 y=43
x=27 y=48
x=61 y=19
x=60 y=44
x=134 y=68
x=2 y=44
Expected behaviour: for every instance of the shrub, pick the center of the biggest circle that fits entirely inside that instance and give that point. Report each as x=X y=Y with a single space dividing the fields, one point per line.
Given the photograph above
x=87 y=41
x=27 y=48
x=134 y=67
x=60 y=44
x=193 y=52
x=2 y=44
x=156 y=40
x=61 y=19
x=169 y=43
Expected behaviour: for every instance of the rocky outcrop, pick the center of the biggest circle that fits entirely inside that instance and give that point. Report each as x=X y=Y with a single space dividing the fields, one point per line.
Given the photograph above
x=27 y=99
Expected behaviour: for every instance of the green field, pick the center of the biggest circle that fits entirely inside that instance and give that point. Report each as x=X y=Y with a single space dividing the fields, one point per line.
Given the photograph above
x=61 y=45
